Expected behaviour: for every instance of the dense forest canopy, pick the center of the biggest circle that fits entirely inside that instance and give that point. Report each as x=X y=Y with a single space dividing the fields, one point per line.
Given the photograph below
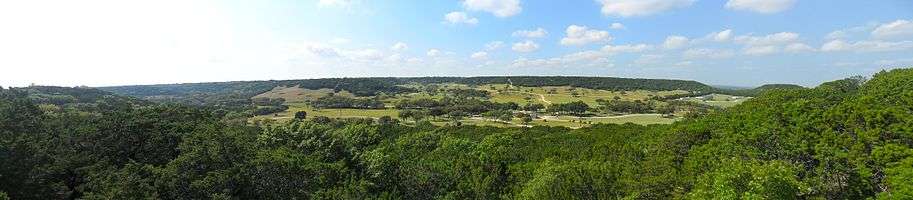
x=846 y=139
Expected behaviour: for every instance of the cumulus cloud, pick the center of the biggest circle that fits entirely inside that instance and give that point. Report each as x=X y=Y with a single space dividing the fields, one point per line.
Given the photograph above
x=895 y=29
x=479 y=55
x=675 y=42
x=722 y=36
x=838 y=34
x=760 y=50
x=631 y=8
x=761 y=6
x=582 y=35
x=364 y=54
x=399 y=46
x=771 y=39
x=500 y=8
x=460 y=18
x=525 y=46
x=626 y=48
x=866 y=46
x=319 y=50
x=538 y=33
x=798 y=47
x=433 y=53
x=598 y=58
x=705 y=53
x=491 y=46
x=585 y=58
x=395 y=58
x=770 y=44
x=617 y=26
x=684 y=63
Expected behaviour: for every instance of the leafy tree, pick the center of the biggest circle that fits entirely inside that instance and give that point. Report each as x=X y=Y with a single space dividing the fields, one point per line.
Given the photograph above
x=301 y=115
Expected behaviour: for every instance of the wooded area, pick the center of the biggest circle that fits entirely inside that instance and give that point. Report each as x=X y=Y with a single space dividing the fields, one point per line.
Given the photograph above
x=845 y=139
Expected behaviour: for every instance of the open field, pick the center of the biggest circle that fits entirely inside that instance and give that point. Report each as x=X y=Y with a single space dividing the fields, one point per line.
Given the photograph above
x=298 y=95
x=331 y=113
x=718 y=100
x=565 y=94
x=501 y=93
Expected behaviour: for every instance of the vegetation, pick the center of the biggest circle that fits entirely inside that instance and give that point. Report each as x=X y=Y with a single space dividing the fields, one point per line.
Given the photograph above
x=333 y=101
x=846 y=139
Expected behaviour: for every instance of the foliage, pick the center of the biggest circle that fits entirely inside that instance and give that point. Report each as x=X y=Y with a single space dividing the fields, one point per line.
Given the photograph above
x=333 y=101
x=574 y=108
x=846 y=139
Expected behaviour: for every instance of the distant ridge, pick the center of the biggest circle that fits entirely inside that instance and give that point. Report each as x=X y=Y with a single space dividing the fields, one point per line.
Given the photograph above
x=370 y=86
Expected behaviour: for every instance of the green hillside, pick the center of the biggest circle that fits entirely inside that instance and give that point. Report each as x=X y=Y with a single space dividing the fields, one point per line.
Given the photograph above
x=845 y=139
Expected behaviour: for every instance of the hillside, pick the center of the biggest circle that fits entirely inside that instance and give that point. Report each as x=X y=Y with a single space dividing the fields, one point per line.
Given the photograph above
x=372 y=86
x=845 y=139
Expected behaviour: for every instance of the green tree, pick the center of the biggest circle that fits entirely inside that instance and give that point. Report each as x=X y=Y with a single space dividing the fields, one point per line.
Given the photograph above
x=301 y=115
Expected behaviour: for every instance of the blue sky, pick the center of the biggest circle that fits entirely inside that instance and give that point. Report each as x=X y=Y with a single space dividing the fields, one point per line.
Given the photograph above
x=726 y=42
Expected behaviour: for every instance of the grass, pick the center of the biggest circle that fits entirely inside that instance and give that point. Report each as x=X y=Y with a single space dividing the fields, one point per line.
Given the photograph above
x=502 y=93
x=298 y=95
x=719 y=100
x=333 y=113
x=566 y=94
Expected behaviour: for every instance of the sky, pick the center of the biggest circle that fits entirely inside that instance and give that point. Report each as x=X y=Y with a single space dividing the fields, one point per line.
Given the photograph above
x=719 y=42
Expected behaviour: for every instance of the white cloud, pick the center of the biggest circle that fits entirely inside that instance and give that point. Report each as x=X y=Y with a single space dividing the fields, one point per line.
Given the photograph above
x=337 y=3
x=838 y=34
x=630 y=8
x=594 y=58
x=798 y=47
x=866 y=46
x=321 y=51
x=617 y=26
x=538 y=33
x=364 y=54
x=433 y=53
x=761 y=6
x=702 y=53
x=584 y=58
x=771 y=39
x=852 y=32
x=771 y=43
x=626 y=48
x=675 y=42
x=479 y=55
x=836 y=45
x=895 y=29
x=722 y=36
x=460 y=18
x=414 y=60
x=399 y=46
x=491 y=46
x=525 y=46
x=395 y=58
x=581 y=35
x=760 y=50
x=500 y=8
x=684 y=63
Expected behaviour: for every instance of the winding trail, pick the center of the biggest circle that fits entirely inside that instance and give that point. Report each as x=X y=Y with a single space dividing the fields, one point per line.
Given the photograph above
x=541 y=97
